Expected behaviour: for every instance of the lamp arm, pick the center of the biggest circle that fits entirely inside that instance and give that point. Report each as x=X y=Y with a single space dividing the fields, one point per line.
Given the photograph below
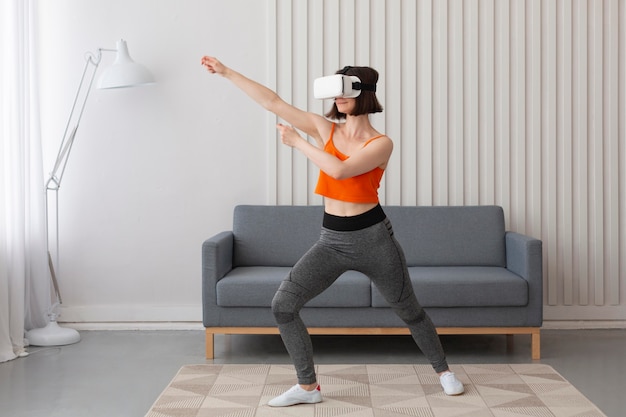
x=76 y=113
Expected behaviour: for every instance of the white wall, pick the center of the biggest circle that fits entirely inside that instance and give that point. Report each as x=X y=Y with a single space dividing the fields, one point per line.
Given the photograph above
x=155 y=169
x=515 y=103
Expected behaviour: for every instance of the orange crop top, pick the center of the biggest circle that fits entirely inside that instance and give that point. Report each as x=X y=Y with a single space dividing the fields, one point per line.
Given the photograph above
x=360 y=189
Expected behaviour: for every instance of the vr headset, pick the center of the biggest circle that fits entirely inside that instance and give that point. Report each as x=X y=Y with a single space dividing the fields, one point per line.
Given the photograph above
x=340 y=85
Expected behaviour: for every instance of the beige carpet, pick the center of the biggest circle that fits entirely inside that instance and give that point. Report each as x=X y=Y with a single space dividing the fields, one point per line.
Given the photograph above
x=373 y=390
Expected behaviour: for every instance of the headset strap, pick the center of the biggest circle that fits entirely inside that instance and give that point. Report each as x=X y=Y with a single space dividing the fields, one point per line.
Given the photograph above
x=358 y=85
x=365 y=87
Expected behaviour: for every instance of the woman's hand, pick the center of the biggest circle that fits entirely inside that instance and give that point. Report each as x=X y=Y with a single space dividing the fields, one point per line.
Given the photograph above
x=288 y=135
x=213 y=65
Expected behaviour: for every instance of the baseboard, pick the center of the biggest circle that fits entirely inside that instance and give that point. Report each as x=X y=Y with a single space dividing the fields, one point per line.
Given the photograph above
x=136 y=326
x=583 y=324
x=131 y=313
x=197 y=325
x=585 y=313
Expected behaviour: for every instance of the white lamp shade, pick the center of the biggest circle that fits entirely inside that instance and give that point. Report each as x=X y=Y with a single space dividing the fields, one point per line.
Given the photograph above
x=124 y=72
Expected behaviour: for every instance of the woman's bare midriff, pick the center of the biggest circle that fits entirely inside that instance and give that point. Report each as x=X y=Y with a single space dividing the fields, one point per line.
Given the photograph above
x=346 y=209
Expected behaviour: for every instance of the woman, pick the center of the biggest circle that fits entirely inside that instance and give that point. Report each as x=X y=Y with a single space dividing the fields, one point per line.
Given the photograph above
x=356 y=235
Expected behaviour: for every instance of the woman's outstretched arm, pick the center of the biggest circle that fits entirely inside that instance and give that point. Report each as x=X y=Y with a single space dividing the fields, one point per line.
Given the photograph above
x=312 y=124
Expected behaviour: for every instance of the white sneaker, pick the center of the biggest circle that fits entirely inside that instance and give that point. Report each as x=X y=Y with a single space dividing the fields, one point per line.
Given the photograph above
x=451 y=385
x=296 y=395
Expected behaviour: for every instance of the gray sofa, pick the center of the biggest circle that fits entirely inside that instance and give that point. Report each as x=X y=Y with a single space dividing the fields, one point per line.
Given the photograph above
x=471 y=275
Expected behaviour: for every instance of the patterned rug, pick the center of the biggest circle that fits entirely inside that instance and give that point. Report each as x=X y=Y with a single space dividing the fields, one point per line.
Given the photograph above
x=373 y=391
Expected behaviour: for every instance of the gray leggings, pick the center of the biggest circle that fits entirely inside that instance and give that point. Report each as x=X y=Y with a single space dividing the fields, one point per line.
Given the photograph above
x=375 y=252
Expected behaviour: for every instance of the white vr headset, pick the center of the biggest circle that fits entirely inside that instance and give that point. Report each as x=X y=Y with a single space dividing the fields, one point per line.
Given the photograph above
x=339 y=85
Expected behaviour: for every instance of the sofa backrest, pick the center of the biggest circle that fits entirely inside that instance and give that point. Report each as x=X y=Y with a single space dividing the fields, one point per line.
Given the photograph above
x=430 y=236
x=274 y=235
x=450 y=235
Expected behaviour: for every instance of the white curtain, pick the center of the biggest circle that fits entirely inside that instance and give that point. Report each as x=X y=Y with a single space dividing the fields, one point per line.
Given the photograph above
x=25 y=295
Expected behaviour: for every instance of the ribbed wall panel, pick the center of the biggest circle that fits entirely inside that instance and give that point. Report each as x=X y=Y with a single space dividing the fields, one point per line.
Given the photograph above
x=519 y=103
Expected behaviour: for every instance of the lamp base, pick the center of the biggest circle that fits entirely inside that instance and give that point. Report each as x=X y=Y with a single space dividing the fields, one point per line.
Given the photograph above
x=52 y=335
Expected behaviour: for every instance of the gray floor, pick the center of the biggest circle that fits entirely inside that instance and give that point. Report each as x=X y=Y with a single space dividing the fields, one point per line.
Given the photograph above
x=121 y=373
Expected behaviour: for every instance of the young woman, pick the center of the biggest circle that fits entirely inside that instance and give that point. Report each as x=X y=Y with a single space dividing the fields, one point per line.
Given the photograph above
x=356 y=235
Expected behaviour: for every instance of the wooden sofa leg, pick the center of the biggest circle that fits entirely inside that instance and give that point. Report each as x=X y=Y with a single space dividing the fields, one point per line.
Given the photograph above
x=536 y=344
x=510 y=342
x=209 y=345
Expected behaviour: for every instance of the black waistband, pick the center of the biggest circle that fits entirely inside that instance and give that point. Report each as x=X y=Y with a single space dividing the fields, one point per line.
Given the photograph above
x=352 y=223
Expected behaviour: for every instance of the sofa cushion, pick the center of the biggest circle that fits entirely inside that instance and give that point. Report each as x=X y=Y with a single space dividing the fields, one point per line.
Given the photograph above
x=464 y=287
x=274 y=235
x=450 y=236
x=255 y=287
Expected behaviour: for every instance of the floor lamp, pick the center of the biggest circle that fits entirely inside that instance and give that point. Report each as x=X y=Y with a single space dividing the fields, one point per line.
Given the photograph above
x=123 y=73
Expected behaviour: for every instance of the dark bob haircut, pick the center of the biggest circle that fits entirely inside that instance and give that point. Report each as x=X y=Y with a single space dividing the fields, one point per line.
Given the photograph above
x=366 y=102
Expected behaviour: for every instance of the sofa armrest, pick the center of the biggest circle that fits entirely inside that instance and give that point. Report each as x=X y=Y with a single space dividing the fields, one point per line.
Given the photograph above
x=217 y=261
x=524 y=257
x=217 y=256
